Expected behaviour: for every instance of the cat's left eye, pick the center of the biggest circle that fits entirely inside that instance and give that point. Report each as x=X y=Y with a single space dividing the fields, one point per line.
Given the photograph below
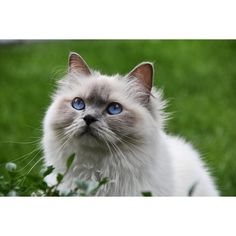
x=114 y=108
x=78 y=103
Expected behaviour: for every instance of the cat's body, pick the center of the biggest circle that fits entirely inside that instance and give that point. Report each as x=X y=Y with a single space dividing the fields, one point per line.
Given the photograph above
x=114 y=125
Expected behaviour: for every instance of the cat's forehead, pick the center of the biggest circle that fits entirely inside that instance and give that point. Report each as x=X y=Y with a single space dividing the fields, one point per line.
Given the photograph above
x=100 y=89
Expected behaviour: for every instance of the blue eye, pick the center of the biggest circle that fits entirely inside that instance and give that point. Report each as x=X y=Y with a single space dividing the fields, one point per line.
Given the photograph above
x=78 y=104
x=114 y=108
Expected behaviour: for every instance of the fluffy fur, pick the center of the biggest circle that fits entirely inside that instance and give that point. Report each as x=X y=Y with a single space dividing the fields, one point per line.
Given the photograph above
x=131 y=148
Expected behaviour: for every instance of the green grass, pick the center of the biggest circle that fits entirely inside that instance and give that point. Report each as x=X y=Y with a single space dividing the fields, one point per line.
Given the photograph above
x=198 y=78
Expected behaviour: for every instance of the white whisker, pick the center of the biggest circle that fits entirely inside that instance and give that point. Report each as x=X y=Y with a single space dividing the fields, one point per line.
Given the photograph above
x=24 y=176
x=30 y=161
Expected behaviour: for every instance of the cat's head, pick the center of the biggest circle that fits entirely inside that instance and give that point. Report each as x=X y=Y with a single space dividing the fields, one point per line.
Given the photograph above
x=94 y=110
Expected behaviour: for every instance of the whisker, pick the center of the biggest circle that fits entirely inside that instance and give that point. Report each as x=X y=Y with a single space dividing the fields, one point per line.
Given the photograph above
x=111 y=136
x=128 y=143
x=66 y=138
x=16 y=142
x=23 y=157
x=29 y=161
x=24 y=176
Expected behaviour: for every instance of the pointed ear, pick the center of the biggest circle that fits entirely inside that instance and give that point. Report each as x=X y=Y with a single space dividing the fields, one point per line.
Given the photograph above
x=77 y=64
x=144 y=73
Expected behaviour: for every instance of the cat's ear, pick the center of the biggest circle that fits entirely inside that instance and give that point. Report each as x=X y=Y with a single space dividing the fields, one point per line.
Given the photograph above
x=144 y=73
x=77 y=64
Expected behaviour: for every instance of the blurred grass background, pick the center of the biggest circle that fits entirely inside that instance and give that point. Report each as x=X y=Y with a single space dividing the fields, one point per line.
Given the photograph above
x=198 y=78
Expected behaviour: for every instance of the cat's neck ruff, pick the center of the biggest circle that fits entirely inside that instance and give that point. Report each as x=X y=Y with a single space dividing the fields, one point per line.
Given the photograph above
x=130 y=169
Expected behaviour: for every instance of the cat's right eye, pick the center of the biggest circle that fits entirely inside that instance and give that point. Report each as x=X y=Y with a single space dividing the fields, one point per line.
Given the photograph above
x=114 y=108
x=78 y=103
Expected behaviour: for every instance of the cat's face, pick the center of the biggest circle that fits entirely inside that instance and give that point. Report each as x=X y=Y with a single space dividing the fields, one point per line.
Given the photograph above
x=92 y=110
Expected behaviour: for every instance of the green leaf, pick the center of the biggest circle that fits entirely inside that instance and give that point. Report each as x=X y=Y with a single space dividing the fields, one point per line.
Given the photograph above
x=191 y=190
x=48 y=171
x=147 y=194
x=83 y=185
x=59 y=178
x=92 y=187
x=103 y=181
x=94 y=190
x=70 y=161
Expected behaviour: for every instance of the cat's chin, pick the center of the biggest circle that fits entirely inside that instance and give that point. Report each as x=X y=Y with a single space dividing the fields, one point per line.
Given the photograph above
x=90 y=145
x=88 y=137
x=88 y=133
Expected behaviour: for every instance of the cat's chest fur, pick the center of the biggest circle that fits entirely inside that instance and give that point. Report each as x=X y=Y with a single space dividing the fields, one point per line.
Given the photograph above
x=129 y=172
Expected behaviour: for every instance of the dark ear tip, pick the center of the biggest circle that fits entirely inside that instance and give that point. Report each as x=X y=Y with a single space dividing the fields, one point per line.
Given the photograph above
x=77 y=64
x=148 y=63
x=73 y=55
x=144 y=72
x=149 y=66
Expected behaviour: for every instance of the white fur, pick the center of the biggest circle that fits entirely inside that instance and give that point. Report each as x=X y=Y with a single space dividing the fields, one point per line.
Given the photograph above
x=163 y=164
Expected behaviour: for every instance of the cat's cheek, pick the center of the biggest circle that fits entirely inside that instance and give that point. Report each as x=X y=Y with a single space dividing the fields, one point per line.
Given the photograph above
x=123 y=124
x=62 y=115
x=61 y=122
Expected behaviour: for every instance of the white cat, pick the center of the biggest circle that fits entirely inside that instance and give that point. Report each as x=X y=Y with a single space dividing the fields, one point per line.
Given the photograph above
x=114 y=125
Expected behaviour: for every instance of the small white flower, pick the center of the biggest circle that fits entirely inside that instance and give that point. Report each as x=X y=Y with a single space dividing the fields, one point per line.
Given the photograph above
x=12 y=193
x=10 y=166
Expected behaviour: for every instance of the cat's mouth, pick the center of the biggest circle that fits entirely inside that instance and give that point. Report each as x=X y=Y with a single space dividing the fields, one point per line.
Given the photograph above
x=90 y=134
x=88 y=131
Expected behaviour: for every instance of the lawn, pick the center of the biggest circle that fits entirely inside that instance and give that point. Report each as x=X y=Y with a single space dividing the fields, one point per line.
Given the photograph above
x=198 y=78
